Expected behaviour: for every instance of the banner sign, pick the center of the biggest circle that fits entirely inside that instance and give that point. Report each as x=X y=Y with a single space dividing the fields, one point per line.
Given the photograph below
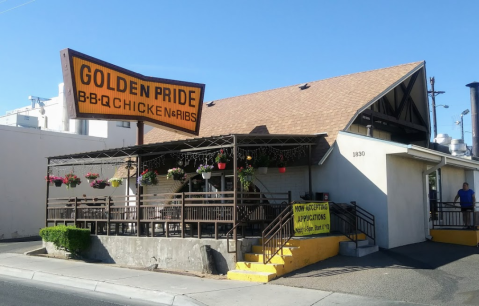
x=311 y=218
x=95 y=89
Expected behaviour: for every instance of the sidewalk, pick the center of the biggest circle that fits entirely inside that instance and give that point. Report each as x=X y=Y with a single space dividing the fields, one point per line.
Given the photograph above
x=170 y=289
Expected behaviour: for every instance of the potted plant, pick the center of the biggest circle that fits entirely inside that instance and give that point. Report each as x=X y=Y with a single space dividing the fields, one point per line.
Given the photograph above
x=246 y=175
x=281 y=165
x=115 y=181
x=177 y=174
x=57 y=180
x=221 y=159
x=91 y=176
x=148 y=177
x=99 y=184
x=71 y=180
x=205 y=171
x=262 y=163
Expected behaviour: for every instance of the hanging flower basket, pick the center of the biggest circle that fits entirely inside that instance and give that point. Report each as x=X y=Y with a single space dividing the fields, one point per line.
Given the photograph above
x=115 y=182
x=148 y=178
x=281 y=165
x=205 y=171
x=262 y=163
x=99 y=184
x=221 y=159
x=91 y=176
x=177 y=174
x=282 y=169
x=58 y=182
x=71 y=180
x=246 y=176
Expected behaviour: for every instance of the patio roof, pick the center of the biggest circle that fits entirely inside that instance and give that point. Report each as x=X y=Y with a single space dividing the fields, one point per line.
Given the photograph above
x=118 y=155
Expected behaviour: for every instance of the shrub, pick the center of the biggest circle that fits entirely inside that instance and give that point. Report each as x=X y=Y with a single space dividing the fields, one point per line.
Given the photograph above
x=67 y=238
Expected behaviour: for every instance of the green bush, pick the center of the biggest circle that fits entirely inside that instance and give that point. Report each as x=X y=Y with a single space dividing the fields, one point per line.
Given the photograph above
x=69 y=238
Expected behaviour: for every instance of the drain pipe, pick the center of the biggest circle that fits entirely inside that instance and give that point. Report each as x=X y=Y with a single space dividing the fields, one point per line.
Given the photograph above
x=425 y=181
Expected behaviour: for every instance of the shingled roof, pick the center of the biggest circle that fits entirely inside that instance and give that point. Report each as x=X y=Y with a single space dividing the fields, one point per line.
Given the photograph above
x=326 y=106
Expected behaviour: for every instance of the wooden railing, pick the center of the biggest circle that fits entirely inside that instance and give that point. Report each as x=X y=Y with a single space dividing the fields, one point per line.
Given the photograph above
x=167 y=208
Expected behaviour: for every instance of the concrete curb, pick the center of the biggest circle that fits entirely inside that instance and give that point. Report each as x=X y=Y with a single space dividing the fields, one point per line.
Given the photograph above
x=101 y=286
x=36 y=252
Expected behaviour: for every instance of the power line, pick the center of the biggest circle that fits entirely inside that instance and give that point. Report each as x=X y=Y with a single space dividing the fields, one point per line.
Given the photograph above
x=16 y=6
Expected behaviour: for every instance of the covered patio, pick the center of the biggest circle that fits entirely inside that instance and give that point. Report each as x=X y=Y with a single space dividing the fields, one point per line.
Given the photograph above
x=218 y=207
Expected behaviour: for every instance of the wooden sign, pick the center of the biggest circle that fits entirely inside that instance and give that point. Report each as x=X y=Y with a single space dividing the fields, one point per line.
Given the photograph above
x=95 y=89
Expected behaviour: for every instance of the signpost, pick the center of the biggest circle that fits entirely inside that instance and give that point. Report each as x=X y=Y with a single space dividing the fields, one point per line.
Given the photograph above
x=95 y=89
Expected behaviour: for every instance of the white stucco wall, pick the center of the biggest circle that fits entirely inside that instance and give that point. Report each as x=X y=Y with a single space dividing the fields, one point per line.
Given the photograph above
x=349 y=176
x=405 y=200
x=23 y=154
x=452 y=179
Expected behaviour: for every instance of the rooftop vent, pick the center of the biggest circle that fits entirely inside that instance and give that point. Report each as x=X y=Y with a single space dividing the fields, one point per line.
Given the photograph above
x=304 y=86
x=209 y=104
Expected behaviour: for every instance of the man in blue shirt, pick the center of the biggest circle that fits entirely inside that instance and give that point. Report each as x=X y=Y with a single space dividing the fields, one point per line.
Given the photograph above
x=467 y=201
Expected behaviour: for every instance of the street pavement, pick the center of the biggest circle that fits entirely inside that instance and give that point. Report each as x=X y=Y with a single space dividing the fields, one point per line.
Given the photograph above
x=169 y=289
x=427 y=273
x=19 y=247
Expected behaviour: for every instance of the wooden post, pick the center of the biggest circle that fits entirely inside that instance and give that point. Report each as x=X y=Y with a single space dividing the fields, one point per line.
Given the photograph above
x=309 y=173
x=108 y=217
x=182 y=215
x=235 y=187
x=199 y=230
x=48 y=189
x=138 y=195
x=139 y=133
x=75 y=212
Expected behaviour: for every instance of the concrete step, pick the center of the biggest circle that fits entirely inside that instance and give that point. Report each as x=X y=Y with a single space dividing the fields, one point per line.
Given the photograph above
x=258 y=249
x=251 y=276
x=359 y=252
x=291 y=243
x=278 y=269
x=352 y=245
x=277 y=259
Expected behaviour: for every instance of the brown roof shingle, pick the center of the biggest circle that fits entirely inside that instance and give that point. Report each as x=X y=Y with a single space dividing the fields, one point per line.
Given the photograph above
x=326 y=106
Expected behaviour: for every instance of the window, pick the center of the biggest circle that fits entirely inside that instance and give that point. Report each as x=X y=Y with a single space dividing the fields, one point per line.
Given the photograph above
x=124 y=124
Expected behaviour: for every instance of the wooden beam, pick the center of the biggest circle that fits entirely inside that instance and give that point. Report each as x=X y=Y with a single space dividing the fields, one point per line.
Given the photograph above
x=414 y=106
x=405 y=98
x=394 y=120
x=389 y=108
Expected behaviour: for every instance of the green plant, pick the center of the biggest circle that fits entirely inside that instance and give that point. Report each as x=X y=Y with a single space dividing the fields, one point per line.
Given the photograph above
x=281 y=163
x=246 y=176
x=116 y=179
x=221 y=157
x=148 y=178
x=68 y=238
x=204 y=169
x=262 y=161
x=71 y=179
x=177 y=174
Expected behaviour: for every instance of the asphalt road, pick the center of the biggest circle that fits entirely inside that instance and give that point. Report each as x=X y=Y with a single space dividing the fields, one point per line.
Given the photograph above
x=19 y=292
x=19 y=247
x=428 y=273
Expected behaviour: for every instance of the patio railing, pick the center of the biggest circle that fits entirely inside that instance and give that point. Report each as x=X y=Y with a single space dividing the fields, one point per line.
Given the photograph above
x=169 y=211
x=451 y=215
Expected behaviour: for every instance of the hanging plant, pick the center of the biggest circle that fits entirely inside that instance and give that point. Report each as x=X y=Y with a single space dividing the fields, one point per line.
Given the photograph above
x=205 y=171
x=91 y=176
x=177 y=174
x=246 y=176
x=71 y=180
x=115 y=182
x=148 y=178
x=221 y=159
x=99 y=184
x=262 y=163
x=281 y=164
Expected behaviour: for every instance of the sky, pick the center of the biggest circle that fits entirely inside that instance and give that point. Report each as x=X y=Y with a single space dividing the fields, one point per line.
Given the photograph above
x=240 y=47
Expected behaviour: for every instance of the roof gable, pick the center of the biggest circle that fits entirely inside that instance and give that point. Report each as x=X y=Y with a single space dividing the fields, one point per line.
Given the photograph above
x=326 y=106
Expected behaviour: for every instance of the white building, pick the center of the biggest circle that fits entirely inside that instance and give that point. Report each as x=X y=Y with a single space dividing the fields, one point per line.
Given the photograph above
x=29 y=135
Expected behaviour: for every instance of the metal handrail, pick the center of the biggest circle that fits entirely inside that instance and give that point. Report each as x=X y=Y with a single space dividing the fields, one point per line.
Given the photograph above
x=452 y=215
x=280 y=232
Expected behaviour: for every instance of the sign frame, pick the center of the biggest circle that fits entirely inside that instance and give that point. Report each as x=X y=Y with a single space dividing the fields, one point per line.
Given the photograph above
x=71 y=97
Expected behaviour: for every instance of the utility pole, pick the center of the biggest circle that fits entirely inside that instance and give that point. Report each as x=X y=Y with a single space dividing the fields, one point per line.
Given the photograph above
x=433 y=95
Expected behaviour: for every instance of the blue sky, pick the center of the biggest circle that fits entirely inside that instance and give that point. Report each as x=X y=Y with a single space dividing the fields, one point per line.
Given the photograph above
x=244 y=46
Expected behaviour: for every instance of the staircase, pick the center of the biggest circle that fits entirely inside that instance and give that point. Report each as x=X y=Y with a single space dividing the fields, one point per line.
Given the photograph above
x=279 y=253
